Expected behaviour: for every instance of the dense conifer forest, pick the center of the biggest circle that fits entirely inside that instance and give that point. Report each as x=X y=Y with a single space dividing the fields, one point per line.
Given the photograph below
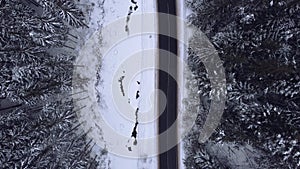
x=258 y=41
x=38 y=122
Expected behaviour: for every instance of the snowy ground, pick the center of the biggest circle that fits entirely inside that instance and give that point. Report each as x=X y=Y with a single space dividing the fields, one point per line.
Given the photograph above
x=181 y=93
x=106 y=86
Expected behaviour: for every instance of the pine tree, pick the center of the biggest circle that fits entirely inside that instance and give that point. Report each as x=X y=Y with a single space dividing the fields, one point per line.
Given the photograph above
x=65 y=10
x=28 y=72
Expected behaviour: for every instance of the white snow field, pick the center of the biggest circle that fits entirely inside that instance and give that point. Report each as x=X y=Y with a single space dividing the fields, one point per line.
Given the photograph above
x=115 y=77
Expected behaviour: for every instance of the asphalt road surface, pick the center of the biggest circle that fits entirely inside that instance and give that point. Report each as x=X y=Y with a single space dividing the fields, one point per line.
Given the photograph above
x=167 y=84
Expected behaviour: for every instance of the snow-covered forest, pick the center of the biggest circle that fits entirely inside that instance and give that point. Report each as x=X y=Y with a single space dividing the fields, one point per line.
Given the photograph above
x=38 y=122
x=258 y=41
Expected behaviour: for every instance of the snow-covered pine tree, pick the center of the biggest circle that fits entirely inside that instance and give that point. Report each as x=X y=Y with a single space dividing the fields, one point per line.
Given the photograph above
x=65 y=10
x=28 y=72
x=40 y=80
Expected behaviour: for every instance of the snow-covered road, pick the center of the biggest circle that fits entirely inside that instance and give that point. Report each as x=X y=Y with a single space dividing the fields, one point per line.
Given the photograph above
x=114 y=86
